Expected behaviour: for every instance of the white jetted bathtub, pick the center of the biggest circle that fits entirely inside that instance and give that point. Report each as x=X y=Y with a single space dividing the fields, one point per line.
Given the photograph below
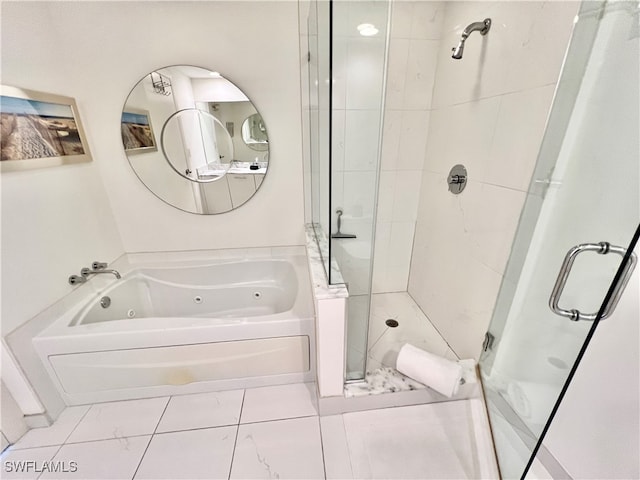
x=185 y=328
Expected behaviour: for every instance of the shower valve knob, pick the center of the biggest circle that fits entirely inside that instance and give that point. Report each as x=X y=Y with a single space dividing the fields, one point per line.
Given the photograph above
x=457 y=179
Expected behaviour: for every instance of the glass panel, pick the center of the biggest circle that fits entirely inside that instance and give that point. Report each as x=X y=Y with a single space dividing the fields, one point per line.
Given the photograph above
x=584 y=190
x=318 y=24
x=358 y=41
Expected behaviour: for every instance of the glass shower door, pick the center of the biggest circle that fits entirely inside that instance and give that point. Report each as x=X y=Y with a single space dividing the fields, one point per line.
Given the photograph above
x=574 y=242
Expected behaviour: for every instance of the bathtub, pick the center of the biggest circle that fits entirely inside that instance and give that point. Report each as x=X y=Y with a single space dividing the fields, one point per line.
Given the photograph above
x=185 y=327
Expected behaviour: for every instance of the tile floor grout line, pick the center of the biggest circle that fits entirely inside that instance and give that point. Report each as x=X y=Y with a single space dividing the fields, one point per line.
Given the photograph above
x=346 y=438
x=64 y=442
x=52 y=457
x=282 y=419
x=235 y=442
x=151 y=437
x=324 y=464
x=77 y=425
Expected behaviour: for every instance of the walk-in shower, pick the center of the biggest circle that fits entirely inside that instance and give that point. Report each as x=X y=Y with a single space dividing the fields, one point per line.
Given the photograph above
x=469 y=275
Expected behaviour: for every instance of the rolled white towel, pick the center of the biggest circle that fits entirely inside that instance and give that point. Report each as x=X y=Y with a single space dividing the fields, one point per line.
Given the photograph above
x=433 y=371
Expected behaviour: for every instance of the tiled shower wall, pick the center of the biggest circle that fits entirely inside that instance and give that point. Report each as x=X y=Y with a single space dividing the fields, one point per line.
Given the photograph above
x=412 y=59
x=488 y=112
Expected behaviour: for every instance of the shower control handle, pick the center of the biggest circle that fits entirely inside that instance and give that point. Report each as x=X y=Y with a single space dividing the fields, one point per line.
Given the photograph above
x=602 y=248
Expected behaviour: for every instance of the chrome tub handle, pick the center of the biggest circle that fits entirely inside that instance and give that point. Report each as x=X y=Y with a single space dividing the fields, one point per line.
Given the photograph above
x=603 y=248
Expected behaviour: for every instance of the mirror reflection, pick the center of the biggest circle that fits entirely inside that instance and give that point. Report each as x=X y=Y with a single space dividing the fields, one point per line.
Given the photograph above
x=183 y=130
x=254 y=133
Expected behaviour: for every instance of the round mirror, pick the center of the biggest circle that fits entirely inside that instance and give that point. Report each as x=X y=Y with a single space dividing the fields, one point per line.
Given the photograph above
x=183 y=133
x=254 y=133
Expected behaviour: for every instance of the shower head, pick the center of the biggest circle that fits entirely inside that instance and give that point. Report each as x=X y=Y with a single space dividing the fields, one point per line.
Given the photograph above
x=457 y=51
x=482 y=27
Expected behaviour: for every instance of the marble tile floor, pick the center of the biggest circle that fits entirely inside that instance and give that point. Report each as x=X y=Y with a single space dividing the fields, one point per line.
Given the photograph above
x=267 y=432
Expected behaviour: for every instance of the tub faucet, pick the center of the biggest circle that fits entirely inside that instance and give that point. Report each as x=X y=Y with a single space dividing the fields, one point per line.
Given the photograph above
x=96 y=268
x=85 y=272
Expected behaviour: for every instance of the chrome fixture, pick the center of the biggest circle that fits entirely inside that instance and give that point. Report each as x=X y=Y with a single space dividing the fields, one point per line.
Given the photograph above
x=482 y=27
x=75 y=279
x=601 y=248
x=161 y=83
x=105 y=302
x=339 y=234
x=85 y=272
x=457 y=179
x=96 y=268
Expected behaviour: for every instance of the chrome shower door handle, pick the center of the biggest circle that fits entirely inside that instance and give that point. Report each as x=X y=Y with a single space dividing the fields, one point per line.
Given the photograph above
x=602 y=248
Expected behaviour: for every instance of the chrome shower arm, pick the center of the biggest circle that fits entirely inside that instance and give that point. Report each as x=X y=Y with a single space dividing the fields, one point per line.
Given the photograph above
x=482 y=27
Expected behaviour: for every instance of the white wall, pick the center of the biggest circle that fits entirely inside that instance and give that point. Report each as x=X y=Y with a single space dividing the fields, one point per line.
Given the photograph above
x=489 y=113
x=412 y=60
x=12 y=424
x=56 y=220
x=254 y=44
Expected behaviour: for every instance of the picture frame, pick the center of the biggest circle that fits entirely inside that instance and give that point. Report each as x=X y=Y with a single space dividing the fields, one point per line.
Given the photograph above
x=137 y=131
x=39 y=130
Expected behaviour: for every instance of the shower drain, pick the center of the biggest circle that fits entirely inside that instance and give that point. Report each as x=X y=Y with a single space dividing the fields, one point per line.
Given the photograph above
x=391 y=323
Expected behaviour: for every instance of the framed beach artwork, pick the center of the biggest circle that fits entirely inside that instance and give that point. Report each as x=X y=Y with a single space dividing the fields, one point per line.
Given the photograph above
x=39 y=130
x=137 y=132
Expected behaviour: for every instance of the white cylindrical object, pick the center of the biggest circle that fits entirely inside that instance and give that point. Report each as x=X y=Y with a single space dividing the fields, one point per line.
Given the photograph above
x=433 y=371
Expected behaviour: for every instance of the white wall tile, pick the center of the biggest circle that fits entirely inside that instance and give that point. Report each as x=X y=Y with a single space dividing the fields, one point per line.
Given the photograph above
x=426 y=20
x=489 y=216
x=359 y=194
x=413 y=139
x=339 y=70
x=338 y=120
x=401 y=19
x=386 y=195
x=361 y=146
x=421 y=66
x=396 y=71
x=541 y=47
x=523 y=49
x=381 y=255
x=391 y=139
x=520 y=127
x=365 y=62
x=461 y=134
x=407 y=195
x=401 y=237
